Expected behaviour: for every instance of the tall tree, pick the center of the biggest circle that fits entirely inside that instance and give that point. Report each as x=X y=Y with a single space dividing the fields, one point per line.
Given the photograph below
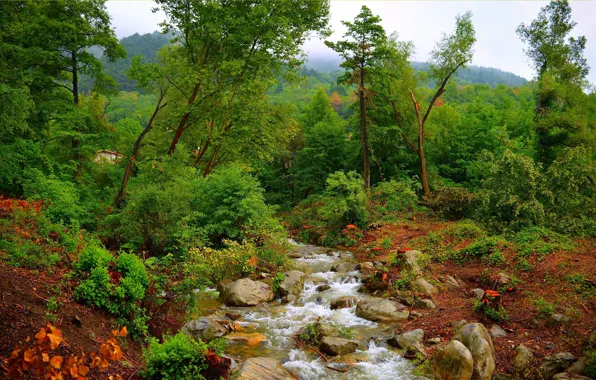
x=71 y=28
x=451 y=53
x=362 y=50
x=231 y=43
x=561 y=71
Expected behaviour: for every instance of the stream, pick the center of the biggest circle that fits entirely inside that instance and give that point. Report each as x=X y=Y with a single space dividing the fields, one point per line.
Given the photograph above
x=278 y=322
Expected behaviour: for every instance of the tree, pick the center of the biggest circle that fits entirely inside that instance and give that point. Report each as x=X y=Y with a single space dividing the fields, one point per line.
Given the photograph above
x=231 y=43
x=73 y=27
x=336 y=102
x=561 y=71
x=362 y=51
x=451 y=53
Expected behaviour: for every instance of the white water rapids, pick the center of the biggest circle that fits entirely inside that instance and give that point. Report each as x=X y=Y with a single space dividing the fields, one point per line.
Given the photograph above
x=279 y=322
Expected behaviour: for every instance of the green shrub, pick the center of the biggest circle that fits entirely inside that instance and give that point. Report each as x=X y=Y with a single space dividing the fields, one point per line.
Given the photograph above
x=452 y=202
x=495 y=259
x=92 y=257
x=395 y=196
x=480 y=248
x=119 y=291
x=177 y=358
x=345 y=200
x=545 y=308
x=497 y=315
x=233 y=207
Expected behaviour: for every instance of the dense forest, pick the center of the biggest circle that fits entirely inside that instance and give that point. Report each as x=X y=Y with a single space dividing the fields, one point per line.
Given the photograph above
x=204 y=201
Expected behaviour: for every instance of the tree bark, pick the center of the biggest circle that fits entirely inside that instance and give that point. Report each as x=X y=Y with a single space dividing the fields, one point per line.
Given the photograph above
x=75 y=79
x=423 y=177
x=364 y=137
x=135 y=151
x=184 y=119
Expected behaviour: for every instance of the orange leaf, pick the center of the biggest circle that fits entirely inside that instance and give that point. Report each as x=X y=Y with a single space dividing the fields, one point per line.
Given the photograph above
x=103 y=365
x=41 y=336
x=123 y=331
x=28 y=356
x=351 y=226
x=83 y=370
x=56 y=362
x=55 y=341
x=45 y=357
x=74 y=371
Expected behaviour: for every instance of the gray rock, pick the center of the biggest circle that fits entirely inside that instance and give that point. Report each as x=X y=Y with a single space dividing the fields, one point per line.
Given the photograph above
x=458 y=324
x=570 y=376
x=204 y=328
x=245 y=292
x=434 y=341
x=381 y=310
x=451 y=283
x=557 y=320
x=478 y=293
x=343 y=267
x=414 y=313
x=555 y=364
x=344 y=302
x=425 y=304
x=263 y=369
x=453 y=362
x=407 y=340
x=497 y=331
x=412 y=261
x=323 y=287
x=293 y=283
x=522 y=361
x=288 y=299
x=503 y=279
x=422 y=286
x=338 y=346
x=475 y=337
x=366 y=266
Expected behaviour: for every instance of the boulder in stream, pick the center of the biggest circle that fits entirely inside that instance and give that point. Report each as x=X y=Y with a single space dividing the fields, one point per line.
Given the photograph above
x=343 y=267
x=204 y=328
x=245 y=292
x=344 y=302
x=381 y=310
x=263 y=369
x=338 y=346
x=293 y=283
x=411 y=340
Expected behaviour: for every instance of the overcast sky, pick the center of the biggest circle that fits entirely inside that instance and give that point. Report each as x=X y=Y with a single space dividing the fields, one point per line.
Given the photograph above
x=422 y=22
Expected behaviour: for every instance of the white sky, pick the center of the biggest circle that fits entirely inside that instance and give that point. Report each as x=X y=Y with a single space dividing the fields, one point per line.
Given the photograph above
x=422 y=22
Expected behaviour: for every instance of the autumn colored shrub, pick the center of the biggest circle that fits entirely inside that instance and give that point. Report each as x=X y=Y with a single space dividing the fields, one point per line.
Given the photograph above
x=40 y=357
x=28 y=238
x=179 y=358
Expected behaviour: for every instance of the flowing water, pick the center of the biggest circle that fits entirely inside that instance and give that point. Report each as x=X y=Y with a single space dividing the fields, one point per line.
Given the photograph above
x=278 y=323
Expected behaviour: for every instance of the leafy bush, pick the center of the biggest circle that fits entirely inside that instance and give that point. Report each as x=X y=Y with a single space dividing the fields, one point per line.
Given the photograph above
x=118 y=290
x=395 y=196
x=452 y=202
x=513 y=194
x=28 y=238
x=63 y=198
x=498 y=314
x=178 y=357
x=233 y=207
x=233 y=261
x=545 y=308
x=345 y=200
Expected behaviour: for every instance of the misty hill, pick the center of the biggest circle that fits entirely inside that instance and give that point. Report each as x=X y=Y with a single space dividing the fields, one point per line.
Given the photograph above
x=148 y=44
x=472 y=75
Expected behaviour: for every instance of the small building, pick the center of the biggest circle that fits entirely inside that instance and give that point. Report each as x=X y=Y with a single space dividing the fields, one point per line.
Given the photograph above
x=107 y=156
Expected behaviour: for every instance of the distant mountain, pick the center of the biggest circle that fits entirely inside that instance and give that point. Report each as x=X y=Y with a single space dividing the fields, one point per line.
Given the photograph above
x=472 y=74
x=145 y=45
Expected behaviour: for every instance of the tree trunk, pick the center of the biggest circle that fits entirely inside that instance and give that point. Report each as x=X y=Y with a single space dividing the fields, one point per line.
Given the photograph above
x=75 y=79
x=423 y=178
x=184 y=119
x=364 y=137
x=209 y=166
x=135 y=151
